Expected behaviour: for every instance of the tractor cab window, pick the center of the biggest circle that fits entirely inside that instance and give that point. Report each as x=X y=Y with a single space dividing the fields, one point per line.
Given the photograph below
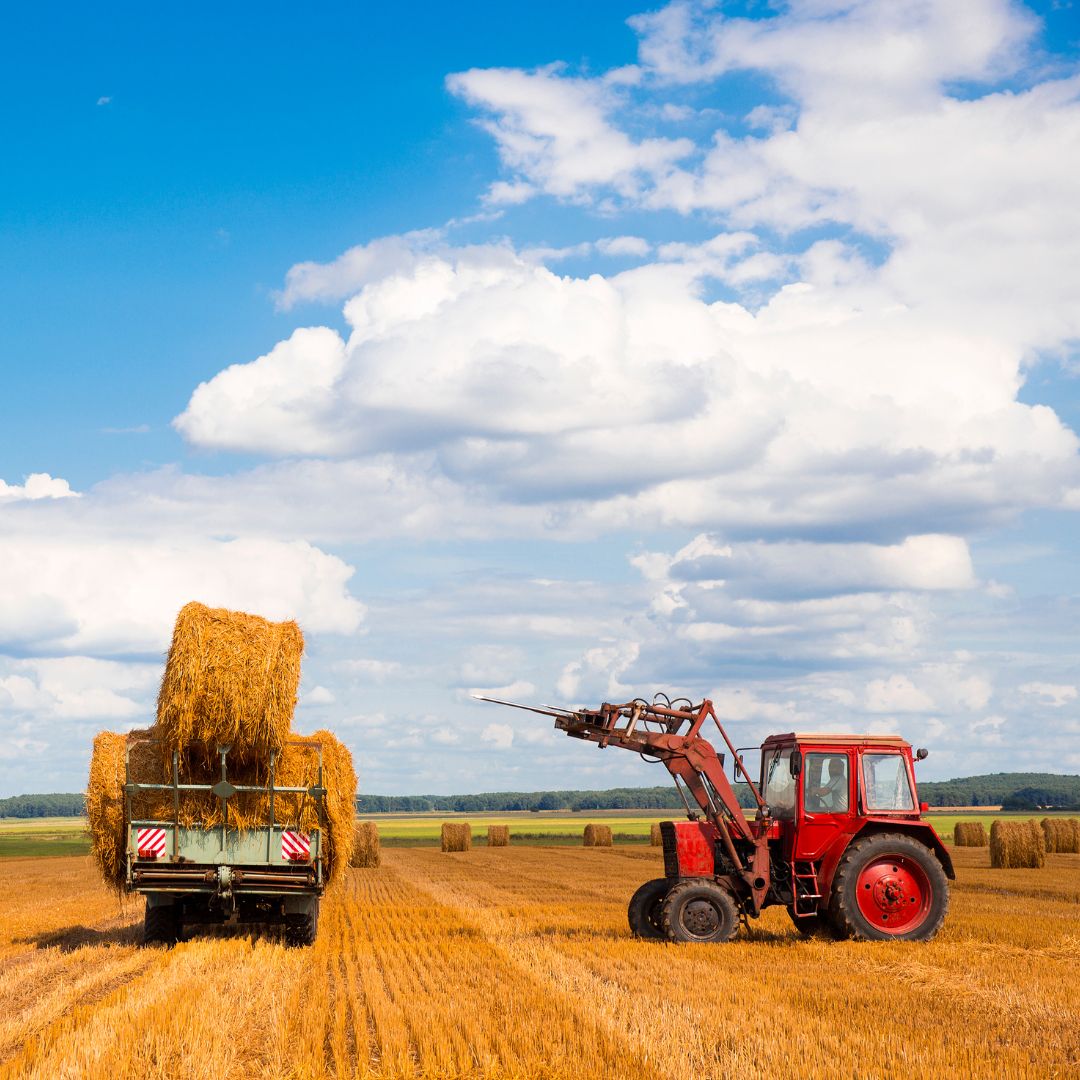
x=885 y=779
x=825 y=784
x=778 y=783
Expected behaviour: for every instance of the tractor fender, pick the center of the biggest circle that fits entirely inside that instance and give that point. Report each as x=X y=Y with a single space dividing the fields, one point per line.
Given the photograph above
x=922 y=831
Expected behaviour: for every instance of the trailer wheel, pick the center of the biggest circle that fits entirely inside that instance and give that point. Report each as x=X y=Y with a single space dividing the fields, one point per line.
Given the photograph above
x=301 y=927
x=161 y=925
x=889 y=887
x=699 y=911
x=644 y=914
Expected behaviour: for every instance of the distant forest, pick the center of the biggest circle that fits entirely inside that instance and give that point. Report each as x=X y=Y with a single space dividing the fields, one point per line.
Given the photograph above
x=1012 y=791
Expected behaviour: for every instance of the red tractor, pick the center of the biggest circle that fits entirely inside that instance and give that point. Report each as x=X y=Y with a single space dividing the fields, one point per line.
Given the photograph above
x=837 y=837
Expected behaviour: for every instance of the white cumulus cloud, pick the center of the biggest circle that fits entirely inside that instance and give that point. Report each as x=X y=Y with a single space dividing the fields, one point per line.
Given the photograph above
x=37 y=486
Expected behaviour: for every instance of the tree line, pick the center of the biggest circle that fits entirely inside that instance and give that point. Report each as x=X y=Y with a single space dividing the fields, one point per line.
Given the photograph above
x=1012 y=791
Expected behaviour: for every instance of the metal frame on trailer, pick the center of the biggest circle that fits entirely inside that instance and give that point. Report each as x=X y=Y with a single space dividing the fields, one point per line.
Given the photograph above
x=249 y=861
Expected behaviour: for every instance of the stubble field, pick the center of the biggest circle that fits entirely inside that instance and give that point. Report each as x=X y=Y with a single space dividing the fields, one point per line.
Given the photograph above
x=517 y=962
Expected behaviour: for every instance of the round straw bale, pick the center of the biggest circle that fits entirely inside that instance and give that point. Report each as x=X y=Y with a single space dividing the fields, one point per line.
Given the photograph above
x=656 y=838
x=230 y=678
x=498 y=835
x=339 y=778
x=969 y=834
x=456 y=836
x=1017 y=844
x=1062 y=835
x=597 y=836
x=365 y=852
x=105 y=806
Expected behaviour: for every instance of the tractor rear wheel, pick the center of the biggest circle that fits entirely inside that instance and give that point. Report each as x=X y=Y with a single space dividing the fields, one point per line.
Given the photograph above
x=699 y=911
x=889 y=887
x=161 y=925
x=644 y=912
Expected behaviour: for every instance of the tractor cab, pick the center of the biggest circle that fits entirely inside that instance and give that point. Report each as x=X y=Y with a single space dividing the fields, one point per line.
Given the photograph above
x=825 y=790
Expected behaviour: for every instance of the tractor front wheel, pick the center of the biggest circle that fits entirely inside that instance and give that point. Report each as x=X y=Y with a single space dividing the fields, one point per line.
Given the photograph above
x=889 y=887
x=644 y=914
x=699 y=911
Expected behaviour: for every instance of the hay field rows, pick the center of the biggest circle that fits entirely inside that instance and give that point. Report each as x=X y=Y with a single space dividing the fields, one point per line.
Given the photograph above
x=516 y=962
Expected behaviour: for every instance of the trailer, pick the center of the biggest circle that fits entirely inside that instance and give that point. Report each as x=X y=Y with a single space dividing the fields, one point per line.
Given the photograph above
x=272 y=873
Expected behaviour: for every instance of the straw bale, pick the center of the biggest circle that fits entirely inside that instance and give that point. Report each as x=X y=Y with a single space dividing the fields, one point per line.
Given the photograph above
x=597 y=836
x=1017 y=844
x=105 y=806
x=297 y=766
x=1062 y=835
x=456 y=836
x=365 y=852
x=969 y=834
x=498 y=835
x=656 y=838
x=229 y=678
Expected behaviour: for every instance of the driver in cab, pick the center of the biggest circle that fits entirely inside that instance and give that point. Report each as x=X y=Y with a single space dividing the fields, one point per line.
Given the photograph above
x=832 y=797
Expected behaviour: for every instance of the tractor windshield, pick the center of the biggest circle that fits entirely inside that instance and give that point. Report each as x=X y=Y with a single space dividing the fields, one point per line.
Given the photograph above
x=779 y=784
x=886 y=781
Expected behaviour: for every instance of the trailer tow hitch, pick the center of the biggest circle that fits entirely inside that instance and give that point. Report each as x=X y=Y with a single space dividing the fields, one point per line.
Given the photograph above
x=225 y=898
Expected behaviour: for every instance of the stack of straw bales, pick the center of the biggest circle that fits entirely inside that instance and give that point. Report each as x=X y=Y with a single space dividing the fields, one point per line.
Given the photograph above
x=365 y=852
x=456 y=836
x=1062 y=835
x=597 y=836
x=1016 y=844
x=230 y=678
x=969 y=834
x=656 y=839
x=498 y=835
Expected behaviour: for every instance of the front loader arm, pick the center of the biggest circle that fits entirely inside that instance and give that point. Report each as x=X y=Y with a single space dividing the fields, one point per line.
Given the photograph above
x=656 y=731
x=671 y=736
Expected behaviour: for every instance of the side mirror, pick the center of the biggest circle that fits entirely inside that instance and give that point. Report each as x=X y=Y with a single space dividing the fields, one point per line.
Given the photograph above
x=796 y=762
x=922 y=753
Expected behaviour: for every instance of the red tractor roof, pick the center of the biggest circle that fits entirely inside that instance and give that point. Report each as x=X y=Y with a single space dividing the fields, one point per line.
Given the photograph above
x=837 y=738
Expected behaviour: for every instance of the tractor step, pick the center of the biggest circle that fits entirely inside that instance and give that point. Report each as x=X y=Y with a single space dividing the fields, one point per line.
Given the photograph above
x=808 y=875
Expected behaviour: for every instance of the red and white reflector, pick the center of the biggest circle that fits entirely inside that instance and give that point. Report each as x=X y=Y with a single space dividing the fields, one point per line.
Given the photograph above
x=295 y=847
x=150 y=843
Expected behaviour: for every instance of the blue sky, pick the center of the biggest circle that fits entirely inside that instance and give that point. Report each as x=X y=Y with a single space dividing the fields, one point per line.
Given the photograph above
x=720 y=348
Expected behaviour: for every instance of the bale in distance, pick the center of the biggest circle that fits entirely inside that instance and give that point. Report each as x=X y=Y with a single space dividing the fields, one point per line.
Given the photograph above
x=230 y=678
x=656 y=838
x=365 y=852
x=1017 y=844
x=498 y=836
x=1062 y=835
x=969 y=834
x=456 y=836
x=597 y=836
x=297 y=766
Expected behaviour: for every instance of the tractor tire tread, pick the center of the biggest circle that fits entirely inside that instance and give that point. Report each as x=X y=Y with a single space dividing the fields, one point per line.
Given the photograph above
x=678 y=895
x=643 y=903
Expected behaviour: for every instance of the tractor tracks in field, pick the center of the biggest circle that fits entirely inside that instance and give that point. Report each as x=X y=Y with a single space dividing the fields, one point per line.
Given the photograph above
x=590 y=996
x=42 y=987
